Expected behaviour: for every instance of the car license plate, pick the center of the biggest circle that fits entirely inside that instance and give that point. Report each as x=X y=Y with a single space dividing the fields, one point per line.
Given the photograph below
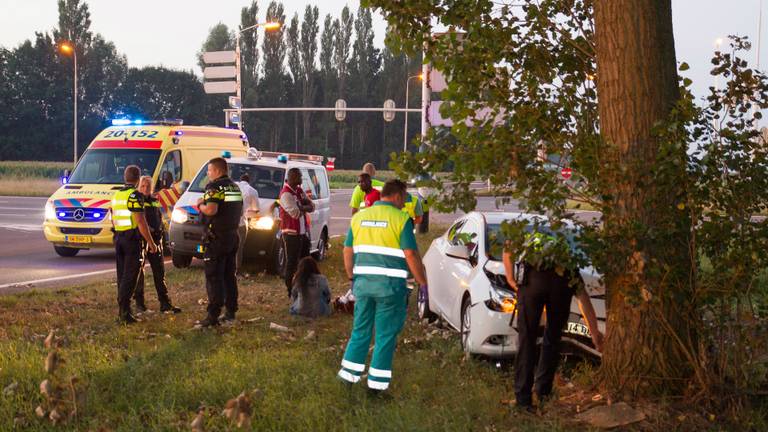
x=77 y=239
x=578 y=329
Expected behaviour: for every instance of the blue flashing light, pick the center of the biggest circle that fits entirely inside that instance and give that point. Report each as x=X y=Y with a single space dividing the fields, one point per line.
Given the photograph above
x=62 y=214
x=282 y=158
x=226 y=154
x=178 y=133
x=120 y=122
x=138 y=122
x=64 y=180
x=97 y=215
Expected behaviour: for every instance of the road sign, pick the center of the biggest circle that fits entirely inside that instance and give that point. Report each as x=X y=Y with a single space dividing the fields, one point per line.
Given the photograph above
x=234 y=102
x=219 y=72
x=218 y=57
x=566 y=173
x=220 y=87
x=234 y=117
x=389 y=104
x=341 y=106
x=330 y=165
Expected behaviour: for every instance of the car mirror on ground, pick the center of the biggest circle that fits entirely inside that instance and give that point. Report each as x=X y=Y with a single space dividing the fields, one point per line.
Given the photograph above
x=458 y=251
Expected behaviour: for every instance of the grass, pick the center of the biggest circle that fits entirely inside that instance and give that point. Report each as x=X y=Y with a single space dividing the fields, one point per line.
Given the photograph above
x=156 y=374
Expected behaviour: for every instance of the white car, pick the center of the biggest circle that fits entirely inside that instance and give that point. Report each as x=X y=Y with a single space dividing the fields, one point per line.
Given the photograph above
x=268 y=172
x=468 y=290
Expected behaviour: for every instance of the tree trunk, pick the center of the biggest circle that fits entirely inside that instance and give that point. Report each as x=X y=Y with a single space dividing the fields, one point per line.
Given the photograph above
x=637 y=88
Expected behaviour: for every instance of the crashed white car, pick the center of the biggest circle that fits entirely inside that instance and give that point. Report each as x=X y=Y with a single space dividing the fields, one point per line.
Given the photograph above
x=468 y=290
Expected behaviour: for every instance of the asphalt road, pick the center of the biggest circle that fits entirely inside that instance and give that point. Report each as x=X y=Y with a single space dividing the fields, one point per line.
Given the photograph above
x=28 y=261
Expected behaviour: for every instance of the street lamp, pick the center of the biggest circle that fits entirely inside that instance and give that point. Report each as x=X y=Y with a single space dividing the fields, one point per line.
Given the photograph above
x=267 y=26
x=405 y=132
x=68 y=48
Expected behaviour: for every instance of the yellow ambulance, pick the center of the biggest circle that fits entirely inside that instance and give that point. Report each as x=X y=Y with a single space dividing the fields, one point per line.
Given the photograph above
x=77 y=215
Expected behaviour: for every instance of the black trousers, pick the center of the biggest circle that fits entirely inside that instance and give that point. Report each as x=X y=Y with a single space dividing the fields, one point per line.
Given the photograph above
x=220 y=259
x=296 y=247
x=544 y=288
x=129 y=250
x=158 y=274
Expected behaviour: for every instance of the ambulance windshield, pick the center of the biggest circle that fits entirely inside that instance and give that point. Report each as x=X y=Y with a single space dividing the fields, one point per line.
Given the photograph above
x=106 y=166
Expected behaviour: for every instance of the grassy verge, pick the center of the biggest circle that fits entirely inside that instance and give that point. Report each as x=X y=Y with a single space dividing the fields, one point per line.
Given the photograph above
x=157 y=374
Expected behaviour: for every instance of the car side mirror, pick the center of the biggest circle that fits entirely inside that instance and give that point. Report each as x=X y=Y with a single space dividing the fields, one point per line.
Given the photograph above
x=183 y=186
x=458 y=252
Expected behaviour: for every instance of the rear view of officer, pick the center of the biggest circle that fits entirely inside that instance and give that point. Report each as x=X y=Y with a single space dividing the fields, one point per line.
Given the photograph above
x=131 y=234
x=222 y=204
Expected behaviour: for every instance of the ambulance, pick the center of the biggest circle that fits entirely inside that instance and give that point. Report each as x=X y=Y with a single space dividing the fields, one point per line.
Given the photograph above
x=77 y=215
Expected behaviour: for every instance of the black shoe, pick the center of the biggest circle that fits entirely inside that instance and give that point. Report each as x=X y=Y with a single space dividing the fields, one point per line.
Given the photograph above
x=167 y=307
x=380 y=394
x=128 y=318
x=228 y=317
x=524 y=408
x=140 y=307
x=207 y=322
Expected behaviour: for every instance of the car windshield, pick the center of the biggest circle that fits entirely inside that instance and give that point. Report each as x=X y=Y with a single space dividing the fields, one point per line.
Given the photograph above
x=266 y=180
x=107 y=166
x=495 y=244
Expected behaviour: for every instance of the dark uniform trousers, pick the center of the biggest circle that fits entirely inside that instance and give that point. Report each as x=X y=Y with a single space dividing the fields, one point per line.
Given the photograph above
x=543 y=288
x=158 y=273
x=220 y=259
x=296 y=247
x=129 y=249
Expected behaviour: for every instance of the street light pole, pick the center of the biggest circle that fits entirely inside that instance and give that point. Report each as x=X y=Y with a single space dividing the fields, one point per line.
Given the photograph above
x=238 y=63
x=67 y=48
x=405 y=132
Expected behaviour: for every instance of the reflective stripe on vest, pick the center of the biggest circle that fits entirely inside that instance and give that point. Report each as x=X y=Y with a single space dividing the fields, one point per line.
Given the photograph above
x=121 y=214
x=376 y=234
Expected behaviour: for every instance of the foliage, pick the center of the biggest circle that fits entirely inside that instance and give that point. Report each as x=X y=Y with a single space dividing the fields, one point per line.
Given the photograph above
x=521 y=86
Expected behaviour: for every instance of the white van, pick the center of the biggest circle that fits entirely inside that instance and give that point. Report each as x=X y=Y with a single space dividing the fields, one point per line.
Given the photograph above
x=267 y=172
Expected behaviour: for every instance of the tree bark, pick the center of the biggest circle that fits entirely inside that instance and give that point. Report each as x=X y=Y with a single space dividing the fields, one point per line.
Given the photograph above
x=637 y=88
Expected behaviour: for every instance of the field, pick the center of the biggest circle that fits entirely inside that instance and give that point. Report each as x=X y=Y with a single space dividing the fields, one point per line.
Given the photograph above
x=30 y=178
x=156 y=375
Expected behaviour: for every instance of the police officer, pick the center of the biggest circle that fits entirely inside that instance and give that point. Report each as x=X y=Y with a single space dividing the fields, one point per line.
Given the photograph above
x=541 y=287
x=131 y=234
x=222 y=204
x=379 y=250
x=155 y=223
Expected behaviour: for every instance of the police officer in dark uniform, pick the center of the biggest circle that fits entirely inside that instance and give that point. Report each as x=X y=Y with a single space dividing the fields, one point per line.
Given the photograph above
x=155 y=223
x=222 y=205
x=131 y=236
x=540 y=287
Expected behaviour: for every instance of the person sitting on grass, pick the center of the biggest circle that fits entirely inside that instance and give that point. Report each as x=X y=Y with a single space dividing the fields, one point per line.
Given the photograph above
x=310 y=295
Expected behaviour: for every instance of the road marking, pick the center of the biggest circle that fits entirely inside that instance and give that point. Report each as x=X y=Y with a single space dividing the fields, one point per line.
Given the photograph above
x=23 y=227
x=341 y=218
x=61 y=278
x=15 y=214
x=336 y=236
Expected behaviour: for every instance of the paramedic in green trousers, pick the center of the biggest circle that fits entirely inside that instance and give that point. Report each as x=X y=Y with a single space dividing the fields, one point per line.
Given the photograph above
x=379 y=251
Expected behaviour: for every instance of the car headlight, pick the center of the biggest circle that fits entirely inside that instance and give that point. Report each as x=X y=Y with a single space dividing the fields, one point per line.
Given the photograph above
x=503 y=299
x=50 y=211
x=179 y=216
x=263 y=223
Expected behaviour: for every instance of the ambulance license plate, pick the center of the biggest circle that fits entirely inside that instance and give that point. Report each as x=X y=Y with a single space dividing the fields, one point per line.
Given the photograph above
x=77 y=239
x=578 y=329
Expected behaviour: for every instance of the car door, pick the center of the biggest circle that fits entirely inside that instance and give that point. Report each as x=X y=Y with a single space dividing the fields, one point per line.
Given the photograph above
x=319 y=183
x=306 y=184
x=461 y=270
x=436 y=263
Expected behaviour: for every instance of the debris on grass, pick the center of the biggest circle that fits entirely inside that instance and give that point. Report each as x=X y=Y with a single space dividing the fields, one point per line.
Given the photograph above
x=239 y=410
x=608 y=417
x=10 y=388
x=278 y=328
x=198 y=424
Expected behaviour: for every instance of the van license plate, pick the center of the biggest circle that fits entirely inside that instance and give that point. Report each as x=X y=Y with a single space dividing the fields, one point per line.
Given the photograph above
x=77 y=239
x=578 y=329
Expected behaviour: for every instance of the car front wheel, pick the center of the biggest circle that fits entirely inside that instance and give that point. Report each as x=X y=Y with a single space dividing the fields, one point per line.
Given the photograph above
x=181 y=260
x=466 y=323
x=66 y=251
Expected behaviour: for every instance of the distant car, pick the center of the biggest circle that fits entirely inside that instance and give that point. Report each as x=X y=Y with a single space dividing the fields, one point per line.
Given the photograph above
x=268 y=173
x=467 y=288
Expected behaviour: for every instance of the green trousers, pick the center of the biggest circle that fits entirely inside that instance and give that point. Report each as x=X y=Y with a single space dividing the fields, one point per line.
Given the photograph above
x=387 y=315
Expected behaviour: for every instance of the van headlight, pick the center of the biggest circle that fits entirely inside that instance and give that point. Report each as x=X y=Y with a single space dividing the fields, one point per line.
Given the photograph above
x=263 y=223
x=503 y=299
x=50 y=211
x=179 y=216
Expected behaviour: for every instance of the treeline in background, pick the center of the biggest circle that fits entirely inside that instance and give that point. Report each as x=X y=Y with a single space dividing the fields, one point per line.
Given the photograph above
x=311 y=61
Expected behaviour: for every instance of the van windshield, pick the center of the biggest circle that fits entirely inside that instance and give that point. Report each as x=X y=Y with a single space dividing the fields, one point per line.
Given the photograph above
x=107 y=166
x=266 y=180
